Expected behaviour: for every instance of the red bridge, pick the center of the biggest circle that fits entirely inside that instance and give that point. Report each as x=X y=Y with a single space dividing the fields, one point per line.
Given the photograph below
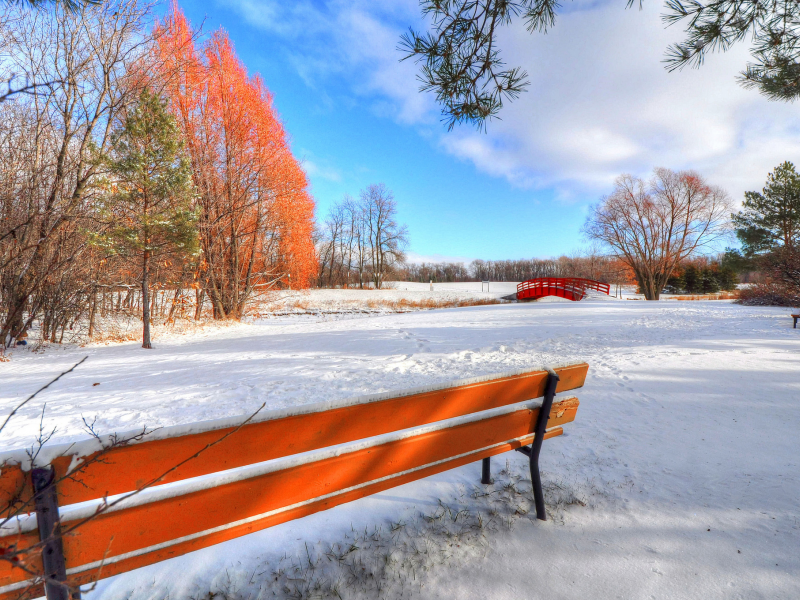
x=571 y=288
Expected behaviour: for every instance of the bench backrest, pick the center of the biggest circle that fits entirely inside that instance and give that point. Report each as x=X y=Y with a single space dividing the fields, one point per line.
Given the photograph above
x=281 y=466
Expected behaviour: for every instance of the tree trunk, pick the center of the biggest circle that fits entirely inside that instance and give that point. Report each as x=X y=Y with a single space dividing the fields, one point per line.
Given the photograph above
x=145 y=301
x=650 y=288
x=91 y=314
x=13 y=321
x=646 y=284
x=200 y=296
x=174 y=304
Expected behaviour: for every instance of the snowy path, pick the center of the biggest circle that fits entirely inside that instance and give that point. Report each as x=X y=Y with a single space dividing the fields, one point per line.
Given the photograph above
x=689 y=422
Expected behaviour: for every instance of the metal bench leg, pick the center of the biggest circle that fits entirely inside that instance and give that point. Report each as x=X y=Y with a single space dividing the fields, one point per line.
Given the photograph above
x=541 y=427
x=46 y=503
x=536 y=446
x=486 y=471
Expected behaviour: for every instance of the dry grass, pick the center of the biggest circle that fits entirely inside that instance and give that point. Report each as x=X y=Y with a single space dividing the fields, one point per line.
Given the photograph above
x=367 y=306
x=120 y=327
x=404 y=304
x=126 y=326
x=734 y=295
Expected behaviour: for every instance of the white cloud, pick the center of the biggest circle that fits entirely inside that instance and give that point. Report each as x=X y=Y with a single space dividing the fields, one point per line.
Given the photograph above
x=352 y=41
x=323 y=172
x=599 y=102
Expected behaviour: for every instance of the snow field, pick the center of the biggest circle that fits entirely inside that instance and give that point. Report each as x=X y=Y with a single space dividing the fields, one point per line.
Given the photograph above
x=684 y=452
x=395 y=297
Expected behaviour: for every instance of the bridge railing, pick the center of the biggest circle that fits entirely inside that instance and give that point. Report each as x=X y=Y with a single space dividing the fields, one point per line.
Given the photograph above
x=560 y=286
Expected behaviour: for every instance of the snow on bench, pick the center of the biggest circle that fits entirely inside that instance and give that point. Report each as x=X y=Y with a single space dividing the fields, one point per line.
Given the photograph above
x=101 y=507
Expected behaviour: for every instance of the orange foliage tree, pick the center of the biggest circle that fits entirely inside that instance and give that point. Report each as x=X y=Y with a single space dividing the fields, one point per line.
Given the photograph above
x=256 y=212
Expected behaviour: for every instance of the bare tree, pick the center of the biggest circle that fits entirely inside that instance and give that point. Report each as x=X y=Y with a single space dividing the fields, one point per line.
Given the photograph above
x=652 y=226
x=357 y=239
x=11 y=83
x=386 y=238
x=89 y=55
x=343 y=245
x=332 y=246
x=361 y=239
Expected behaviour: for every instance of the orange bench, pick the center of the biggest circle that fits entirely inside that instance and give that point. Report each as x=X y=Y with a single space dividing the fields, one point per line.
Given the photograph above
x=229 y=479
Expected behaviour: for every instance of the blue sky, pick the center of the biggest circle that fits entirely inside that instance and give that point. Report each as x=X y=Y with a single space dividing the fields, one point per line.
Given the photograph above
x=600 y=104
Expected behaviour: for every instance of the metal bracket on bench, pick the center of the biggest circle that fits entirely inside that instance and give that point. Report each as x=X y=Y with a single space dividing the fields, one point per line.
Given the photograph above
x=533 y=450
x=49 y=523
x=536 y=446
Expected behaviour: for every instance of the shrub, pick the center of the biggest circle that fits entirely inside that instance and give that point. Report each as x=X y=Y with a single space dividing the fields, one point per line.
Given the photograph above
x=770 y=293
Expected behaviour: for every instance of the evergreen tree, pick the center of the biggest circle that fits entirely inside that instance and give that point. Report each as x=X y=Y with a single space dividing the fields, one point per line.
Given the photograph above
x=150 y=194
x=675 y=283
x=727 y=278
x=708 y=281
x=771 y=219
x=692 y=279
x=738 y=263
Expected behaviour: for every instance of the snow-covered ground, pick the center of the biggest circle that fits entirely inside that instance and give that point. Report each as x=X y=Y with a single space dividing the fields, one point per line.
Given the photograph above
x=501 y=288
x=685 y=451
x=402 y=296
x=396 y=296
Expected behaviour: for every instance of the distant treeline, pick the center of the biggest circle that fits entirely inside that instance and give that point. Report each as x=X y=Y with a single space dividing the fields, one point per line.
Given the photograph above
x=598 y=267
x=694 y=276
x=346 y=270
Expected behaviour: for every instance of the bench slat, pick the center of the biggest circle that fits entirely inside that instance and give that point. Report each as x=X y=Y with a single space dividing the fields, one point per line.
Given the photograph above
x=127 y=468
x=146 y=533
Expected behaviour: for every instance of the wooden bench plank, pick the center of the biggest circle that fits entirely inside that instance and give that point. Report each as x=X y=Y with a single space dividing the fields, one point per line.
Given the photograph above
x=127 y=468
x=132 y=537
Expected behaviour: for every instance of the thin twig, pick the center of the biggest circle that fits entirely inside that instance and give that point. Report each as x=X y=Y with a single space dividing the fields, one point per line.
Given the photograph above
x=41 y=389
x=206 y=447
x=107 y=505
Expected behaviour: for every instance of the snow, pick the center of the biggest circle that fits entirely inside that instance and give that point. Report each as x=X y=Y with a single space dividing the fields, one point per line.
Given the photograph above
x=81 y=448
x=471 y=287
x=84 y=510
x=396 y=296
x=685 y=448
